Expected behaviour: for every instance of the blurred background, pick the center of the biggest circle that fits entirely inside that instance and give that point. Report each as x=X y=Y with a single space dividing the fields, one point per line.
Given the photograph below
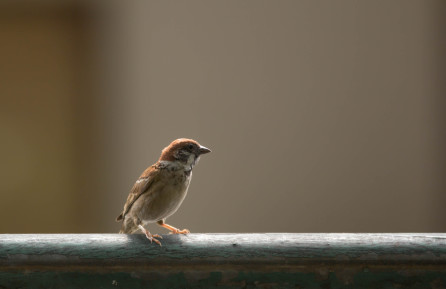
x=323 y=116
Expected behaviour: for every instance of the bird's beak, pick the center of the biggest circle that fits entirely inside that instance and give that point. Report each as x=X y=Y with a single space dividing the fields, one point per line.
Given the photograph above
x=204 y=150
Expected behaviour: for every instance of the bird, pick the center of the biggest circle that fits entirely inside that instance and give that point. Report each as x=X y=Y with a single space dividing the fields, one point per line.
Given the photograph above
x=161 y=188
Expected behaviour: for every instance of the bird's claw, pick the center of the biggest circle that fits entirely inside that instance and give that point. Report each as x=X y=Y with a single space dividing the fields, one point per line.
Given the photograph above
x=152 y=238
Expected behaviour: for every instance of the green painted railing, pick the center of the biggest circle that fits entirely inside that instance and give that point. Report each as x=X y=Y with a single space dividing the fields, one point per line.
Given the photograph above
x=224 y=260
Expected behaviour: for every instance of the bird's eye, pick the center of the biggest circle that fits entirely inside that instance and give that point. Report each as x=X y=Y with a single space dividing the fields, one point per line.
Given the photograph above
x=190 y=146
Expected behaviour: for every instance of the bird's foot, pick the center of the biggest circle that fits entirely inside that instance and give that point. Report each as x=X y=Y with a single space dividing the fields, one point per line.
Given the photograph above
x=172 y=229
x=177 y=231
x=150 y=236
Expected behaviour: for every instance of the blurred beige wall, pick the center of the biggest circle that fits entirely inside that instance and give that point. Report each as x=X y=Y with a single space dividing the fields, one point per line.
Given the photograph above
x=322 y=116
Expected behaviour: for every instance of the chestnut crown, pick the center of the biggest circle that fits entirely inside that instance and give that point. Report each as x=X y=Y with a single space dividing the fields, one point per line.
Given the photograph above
x=181 y=149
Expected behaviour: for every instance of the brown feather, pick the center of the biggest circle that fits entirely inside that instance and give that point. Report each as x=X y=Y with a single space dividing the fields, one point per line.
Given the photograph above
x=140 y=187
x=168 y=153
x=152 y=173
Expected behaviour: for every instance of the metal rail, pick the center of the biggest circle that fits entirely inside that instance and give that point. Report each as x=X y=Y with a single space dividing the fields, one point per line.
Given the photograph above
x=224 y=260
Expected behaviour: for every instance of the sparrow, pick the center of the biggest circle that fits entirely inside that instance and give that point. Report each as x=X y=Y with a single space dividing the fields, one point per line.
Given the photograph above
x=161 y=188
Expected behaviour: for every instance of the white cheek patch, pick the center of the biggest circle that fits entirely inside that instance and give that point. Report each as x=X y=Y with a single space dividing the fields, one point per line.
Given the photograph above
x=190 y=160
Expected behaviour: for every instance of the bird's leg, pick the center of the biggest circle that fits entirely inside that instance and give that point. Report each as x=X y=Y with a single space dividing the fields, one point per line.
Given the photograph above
x=150 y=236
x=172 y=230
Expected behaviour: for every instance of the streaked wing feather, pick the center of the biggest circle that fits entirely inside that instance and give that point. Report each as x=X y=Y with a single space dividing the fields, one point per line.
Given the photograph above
x=140 y=187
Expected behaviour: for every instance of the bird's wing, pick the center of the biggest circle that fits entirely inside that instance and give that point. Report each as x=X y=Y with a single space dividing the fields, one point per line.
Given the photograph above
x=140 y=187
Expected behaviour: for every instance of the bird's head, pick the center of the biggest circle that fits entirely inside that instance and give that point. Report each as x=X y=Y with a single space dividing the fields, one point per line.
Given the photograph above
x=184 y=151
